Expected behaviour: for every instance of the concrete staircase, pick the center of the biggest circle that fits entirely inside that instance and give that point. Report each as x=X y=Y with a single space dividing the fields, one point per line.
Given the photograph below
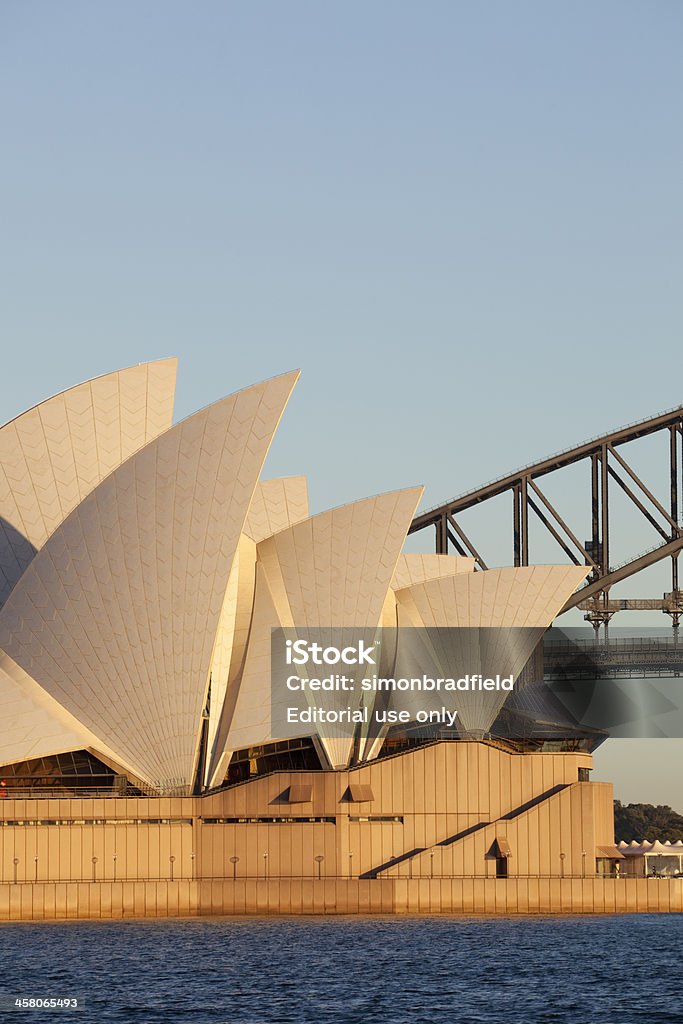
x=384 y=870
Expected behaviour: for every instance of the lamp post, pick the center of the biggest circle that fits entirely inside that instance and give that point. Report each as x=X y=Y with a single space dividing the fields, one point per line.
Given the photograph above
x=583 y=863
x=35 y=876
x=94 y=869
x=350 y=863
x=562 y=856
x=171 y=861
x=319 y=861
x=265 y=865
x=15 y=862
x=234 y=861
x=114 y=859
x=192 y=864
x=431 y=863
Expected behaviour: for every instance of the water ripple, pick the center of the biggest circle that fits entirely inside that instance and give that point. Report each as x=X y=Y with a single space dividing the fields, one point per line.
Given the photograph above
x=338 y=970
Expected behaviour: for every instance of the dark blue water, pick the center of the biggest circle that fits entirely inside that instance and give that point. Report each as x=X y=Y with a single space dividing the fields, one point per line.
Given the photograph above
x=588 y=970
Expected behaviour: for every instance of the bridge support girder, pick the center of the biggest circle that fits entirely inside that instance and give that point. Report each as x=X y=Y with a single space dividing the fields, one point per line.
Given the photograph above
x=607 y=463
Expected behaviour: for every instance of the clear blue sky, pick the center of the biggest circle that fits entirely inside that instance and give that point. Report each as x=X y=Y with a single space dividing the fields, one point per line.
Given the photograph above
x=463 y=221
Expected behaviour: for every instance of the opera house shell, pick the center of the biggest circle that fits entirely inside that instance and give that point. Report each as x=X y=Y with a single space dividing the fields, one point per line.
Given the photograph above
x=143 y=568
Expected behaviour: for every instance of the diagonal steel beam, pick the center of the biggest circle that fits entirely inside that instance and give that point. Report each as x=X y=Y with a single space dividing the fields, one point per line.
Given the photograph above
x=637 y=502
x=604 y=458
x=549 y=465
x=648 y=493
x=623 y=572
x=456 y=543
x=466 y=541
x=560 y=521
x=549 y=526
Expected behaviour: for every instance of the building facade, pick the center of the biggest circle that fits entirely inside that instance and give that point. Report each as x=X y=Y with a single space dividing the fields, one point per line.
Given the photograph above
x=144 y=568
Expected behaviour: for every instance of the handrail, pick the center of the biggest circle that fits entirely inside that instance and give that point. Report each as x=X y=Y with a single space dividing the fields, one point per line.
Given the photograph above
x=521 y=470
x=49 y=793
x=613 y=643
x=622 y=876
x=619 y=565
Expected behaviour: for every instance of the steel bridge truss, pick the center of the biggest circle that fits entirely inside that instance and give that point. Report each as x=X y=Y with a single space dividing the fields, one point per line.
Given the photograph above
x=608 y=468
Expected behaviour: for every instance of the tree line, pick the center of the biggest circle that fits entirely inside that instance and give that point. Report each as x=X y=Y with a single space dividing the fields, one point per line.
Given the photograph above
x=646 y=821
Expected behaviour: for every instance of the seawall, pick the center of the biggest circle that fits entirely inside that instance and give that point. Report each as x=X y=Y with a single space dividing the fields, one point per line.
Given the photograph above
x=42 y=901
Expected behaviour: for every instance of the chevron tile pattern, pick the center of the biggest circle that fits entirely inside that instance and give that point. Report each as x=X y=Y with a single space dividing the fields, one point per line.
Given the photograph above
x=335 y=568
x=528 y=596
x=524 y=600
x=143 y=567
x=36 y=725
x=418 y=568
x=276 y=505
x=116 y=616
x=52 y=456
x=330 y=571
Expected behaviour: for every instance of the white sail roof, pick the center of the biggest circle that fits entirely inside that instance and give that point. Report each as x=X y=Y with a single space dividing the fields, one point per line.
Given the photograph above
x=54 y=454
x=117 y=615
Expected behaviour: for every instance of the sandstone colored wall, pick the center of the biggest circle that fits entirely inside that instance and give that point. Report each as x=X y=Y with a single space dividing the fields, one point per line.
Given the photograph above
x=59 y=901
x=419 y=800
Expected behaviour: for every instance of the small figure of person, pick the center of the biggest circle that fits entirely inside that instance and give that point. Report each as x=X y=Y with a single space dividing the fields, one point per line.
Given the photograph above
x=3 y=788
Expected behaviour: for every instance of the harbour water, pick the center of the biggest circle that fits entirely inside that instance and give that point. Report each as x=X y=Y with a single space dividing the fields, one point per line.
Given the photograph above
x=581 y=970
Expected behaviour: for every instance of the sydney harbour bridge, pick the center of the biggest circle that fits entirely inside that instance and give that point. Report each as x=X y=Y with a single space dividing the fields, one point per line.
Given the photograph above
x=608 y=472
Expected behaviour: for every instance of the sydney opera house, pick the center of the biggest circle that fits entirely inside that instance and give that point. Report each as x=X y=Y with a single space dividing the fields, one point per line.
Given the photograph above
x=144 y=568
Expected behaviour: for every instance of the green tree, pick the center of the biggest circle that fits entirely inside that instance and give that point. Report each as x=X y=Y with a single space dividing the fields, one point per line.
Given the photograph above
x=646 y=821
